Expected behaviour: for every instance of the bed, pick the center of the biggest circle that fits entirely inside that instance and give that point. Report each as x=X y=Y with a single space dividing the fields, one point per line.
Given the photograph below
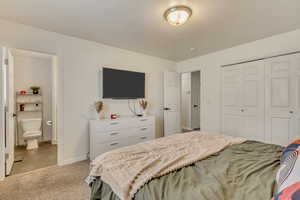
x=242 y=171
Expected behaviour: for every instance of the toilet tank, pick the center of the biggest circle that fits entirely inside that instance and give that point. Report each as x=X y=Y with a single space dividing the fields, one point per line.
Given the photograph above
x=31 y=124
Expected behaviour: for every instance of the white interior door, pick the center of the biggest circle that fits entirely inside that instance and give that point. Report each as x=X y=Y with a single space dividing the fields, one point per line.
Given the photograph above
x=280 y=99
x=171 y=103
x=253 y=101
x=2 y=115
x=231 y=89
x=297 y=113
x=10 y=115
x=195 y=98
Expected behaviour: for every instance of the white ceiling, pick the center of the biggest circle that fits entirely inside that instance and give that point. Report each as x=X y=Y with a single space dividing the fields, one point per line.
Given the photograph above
x=138 y=25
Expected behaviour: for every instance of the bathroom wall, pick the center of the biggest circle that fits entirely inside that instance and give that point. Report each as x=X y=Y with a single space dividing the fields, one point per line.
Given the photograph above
x=186 y=100
x=35 y=71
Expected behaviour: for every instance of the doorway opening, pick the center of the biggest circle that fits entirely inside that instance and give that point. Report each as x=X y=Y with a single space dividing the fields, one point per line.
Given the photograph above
x=30 y=114
x=190 y=101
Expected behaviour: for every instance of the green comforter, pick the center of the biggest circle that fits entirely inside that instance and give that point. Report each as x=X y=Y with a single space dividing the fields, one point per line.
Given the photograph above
x=240 y=172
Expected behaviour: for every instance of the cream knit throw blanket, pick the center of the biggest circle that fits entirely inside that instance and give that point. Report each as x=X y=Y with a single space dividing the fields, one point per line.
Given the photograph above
x=127 y=169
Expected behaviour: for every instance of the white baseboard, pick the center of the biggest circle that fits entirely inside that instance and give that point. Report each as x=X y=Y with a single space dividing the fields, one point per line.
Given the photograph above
x=73 y=160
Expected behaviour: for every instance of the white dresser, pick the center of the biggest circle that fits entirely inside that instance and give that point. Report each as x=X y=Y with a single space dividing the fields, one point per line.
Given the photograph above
x=107 y=134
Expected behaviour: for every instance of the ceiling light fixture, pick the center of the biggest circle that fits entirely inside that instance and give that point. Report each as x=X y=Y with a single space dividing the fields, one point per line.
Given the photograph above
x=177 y=15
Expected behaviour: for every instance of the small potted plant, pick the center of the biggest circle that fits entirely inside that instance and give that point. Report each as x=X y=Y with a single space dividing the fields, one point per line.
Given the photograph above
x=35 y=89
x=99 y=107
x=143 y=103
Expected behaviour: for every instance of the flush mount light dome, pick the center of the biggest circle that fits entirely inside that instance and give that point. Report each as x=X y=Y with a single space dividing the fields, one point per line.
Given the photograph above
x=177 y=15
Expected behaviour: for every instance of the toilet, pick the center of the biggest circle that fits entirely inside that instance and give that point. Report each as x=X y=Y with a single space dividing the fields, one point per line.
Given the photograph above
x=31 y=132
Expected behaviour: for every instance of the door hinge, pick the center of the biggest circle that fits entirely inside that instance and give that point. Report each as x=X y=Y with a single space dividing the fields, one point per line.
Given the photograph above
x=6 y=61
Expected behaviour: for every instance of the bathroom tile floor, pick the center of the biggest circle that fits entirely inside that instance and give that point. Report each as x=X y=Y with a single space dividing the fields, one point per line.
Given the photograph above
x=44 y=156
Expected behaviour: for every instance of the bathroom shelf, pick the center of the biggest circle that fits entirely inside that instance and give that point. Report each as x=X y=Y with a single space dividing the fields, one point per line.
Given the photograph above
x=33 y=111
x=29 y=94
x=29 y=103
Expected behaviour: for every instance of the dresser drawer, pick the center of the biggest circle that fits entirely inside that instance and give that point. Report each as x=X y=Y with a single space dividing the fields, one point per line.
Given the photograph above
x=112 y=125
x=143 y=137
x=100 y=148
x=100 y=137
x=144 y=121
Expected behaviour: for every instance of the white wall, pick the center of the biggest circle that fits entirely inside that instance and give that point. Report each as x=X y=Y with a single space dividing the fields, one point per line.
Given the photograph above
x=210 y=67
x=78 y=81
x=35 y=71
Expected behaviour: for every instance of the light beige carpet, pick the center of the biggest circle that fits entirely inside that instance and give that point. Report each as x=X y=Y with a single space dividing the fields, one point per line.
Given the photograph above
x=51 y=183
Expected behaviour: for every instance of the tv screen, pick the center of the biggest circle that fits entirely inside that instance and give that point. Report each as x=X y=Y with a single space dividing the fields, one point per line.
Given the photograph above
x=120 y=84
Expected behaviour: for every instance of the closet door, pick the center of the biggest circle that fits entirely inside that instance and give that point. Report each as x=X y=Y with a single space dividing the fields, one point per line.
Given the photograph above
x=231 y=97
x=281 y=94
x=296 y=59
x=252 y=100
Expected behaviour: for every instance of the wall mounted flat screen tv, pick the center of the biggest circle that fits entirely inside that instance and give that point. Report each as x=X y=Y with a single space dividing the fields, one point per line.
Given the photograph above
x=120 y=84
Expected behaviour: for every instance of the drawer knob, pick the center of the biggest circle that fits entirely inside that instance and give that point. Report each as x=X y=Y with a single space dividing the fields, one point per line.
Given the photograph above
x=114 y=133
x=143 y=129
x=114 y=123
x=114 y=144
x=142 y=120
x=142 y=138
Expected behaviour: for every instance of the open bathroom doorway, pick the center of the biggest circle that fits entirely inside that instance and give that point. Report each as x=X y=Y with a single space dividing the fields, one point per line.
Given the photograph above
x=191 y=101
x=30 y=114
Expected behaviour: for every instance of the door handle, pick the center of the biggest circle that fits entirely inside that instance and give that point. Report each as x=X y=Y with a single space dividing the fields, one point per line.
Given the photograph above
x=49 y=123
x=195 y=106
x=14 y=115
x=167 y=108
x=242 y=110
x=291 y=111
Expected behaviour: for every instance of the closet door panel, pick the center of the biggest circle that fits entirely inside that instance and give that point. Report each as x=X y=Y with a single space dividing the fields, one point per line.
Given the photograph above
x=252 y=95
x=231 y=100
x=232 y=125
x=280 y=126
x=280 y=99
x=297 y=110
